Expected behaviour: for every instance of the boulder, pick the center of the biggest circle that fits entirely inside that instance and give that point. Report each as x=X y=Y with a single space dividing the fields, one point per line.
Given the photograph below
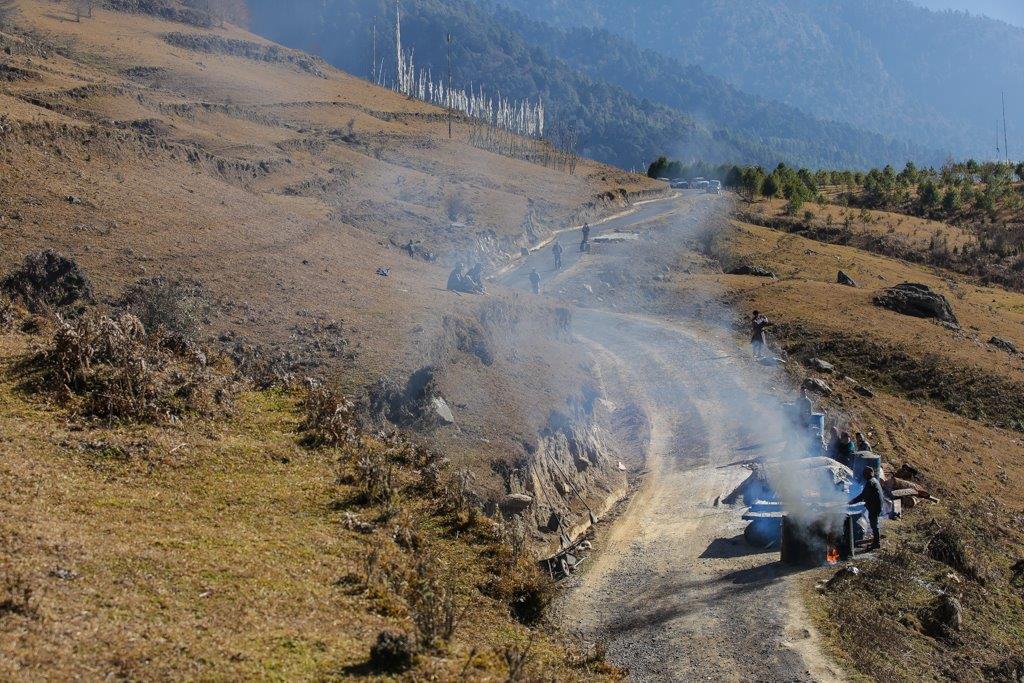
x=817 y=386
x=821 y=366
x=516 y=503
x=756 y=271
x=1004 y=344
x=844 y=279
x=864 y=391
x=439 y=407
x=917 y=300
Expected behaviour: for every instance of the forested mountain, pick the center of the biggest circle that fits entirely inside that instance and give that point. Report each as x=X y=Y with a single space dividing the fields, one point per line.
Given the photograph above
x=628 y=104
x=885 y=65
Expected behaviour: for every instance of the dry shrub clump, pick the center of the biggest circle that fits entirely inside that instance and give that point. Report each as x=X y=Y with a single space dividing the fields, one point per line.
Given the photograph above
x=515 y=579
x=165 y=306
x=119 y=371
x=431 y=600
x=7 y=314
x=329 y=416
x=48 y=281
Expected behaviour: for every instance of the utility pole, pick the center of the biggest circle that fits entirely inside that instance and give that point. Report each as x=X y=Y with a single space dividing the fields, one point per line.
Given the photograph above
x=449 y=40
x=1006 y=142
x=373 y=62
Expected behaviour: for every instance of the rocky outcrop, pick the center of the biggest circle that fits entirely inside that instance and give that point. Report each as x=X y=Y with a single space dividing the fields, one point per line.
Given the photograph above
x=917 y=300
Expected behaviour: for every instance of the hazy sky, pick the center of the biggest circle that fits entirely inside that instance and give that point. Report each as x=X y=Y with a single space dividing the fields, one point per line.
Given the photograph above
x=1011 y=11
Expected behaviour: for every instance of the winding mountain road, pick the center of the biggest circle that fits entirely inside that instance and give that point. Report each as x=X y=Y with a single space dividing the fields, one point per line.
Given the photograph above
x=674 y=590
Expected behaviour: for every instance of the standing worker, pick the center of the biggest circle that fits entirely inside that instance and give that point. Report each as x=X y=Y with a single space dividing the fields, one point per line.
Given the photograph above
x=758 y=324
x=535 y=281
x=871 y=496
x=557 y=251
x=585 y=242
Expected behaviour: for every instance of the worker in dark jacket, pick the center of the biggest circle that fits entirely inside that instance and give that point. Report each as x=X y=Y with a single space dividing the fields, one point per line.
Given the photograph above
x=557 y=251
x=535 y=281
x=585 y=242
x=872 y=498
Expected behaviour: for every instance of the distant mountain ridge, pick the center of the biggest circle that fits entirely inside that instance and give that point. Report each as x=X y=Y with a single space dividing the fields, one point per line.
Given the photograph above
x=888 y=66
x=628 y=104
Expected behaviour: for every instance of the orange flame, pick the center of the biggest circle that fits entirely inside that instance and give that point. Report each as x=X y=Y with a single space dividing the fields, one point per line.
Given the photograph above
x=832 y=557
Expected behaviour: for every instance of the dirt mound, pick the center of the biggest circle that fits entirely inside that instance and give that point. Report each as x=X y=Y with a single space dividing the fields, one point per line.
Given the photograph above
x=47 y=280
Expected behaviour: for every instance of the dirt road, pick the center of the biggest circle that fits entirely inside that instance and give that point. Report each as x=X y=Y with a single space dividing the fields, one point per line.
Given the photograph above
x=674 y=590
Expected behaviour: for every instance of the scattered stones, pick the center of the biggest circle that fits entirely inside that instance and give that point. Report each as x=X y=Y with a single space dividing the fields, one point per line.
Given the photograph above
x=817 y=386
x=917 y=300
x=1004 y=344
x=756 y=271
x=844 y=279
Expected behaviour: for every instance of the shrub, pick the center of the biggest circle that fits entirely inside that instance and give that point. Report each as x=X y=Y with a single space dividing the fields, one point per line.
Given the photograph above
x=166 y=306
x=122 y=372
x=393 y=652
x=329 y=416
x=431 y=601
x=45 y=281
x=6 y=313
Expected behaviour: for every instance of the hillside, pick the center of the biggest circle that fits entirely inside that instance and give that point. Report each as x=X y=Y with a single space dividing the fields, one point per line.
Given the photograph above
x=627 y=104
x=891 y=67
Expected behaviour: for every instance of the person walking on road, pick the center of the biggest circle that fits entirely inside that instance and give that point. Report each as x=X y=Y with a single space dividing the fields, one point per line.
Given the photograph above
x=557 y=251
x=535 y=281
x=585 y=242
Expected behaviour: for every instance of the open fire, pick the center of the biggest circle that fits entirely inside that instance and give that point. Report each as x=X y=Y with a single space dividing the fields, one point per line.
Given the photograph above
x=825 y=539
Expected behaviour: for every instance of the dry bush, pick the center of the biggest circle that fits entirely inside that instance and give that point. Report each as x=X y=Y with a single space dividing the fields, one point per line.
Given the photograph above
x=120 y=371
x=377 y=479
x=431 y=601
x=951 y=547
x=47 y=281
x=7 y=314
x=164 y=306
x=517 y=660
x=393 y=652
x=16 y=594
x=329 y=416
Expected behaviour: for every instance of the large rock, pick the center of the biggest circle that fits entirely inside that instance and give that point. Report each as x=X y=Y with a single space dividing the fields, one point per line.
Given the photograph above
x=821 y=366
x=817 y=386
x=844 y=279
x=917 y=300
x=442 y=411
x=516 y=503
x=756 y=271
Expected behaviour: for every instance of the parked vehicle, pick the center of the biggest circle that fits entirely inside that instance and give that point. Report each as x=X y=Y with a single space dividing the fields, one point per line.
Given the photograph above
x=702 y=185
x=680 y=184
x=715 y=187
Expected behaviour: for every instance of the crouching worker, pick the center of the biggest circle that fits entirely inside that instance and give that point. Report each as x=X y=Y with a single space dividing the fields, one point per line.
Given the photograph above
x=871 y=496
x=456 y=279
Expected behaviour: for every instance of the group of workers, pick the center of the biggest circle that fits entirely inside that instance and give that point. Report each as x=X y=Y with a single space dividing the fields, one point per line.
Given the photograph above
x=472 y=282
x=843 y=448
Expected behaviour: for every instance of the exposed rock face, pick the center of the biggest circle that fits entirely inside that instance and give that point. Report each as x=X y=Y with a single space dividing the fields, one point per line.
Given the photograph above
x=756 y=271
x=917 y=300
x=844 y=279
